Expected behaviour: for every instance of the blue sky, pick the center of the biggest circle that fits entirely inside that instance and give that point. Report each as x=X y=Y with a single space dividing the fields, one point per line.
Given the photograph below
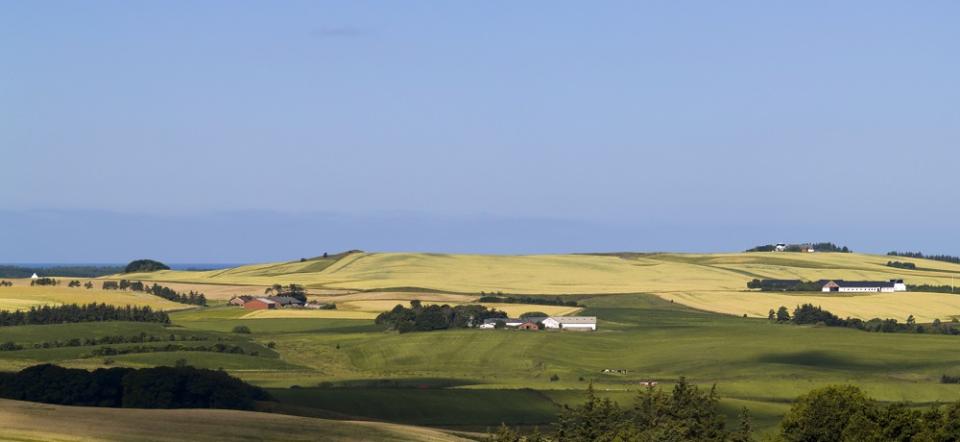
x=505 y=127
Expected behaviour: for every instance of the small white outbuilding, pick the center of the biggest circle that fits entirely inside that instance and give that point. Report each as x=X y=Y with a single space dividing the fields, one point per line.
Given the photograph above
x=35 y=276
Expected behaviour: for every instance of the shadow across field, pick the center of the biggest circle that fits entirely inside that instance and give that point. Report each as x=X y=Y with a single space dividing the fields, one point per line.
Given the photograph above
x=822 y=359
x=475 y=410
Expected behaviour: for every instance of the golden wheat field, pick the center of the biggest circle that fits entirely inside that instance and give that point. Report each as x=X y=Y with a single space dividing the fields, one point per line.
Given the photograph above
x=401 y=297
x=565 y=274
x=21 y=297
x=925 y=307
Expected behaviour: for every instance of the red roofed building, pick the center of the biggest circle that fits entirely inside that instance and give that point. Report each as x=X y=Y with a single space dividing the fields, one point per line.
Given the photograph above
x=260 y=304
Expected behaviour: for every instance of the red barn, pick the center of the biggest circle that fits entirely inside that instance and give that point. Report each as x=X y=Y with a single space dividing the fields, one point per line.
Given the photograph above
x=259 y=304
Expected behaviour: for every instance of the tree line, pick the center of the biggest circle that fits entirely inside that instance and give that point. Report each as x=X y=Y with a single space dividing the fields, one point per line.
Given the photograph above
x=215 y=348
x=295 y=291
x=119 y=339
x=920 y=255
x=436 y=317
x=71 y=313
x=839 y=413
x=527 y=300
x=932 y=288
x=10 y=271
x=785 y=285
x=192 y=298
x=159 y=387
x=6 y=284
x=815 y=315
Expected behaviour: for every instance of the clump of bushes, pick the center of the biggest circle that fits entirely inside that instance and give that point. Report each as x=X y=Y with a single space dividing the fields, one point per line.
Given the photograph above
x=436 y=317
x=145 y=265
x=902 y=265
x=44 y=281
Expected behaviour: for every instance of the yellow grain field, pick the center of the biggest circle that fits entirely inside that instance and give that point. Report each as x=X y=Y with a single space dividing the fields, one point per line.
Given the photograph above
x=21 y=297
x=925 y=307
x=400 y=297
x=565 y=274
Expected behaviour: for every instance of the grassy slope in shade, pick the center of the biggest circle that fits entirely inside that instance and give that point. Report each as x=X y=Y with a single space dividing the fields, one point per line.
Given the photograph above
x=26 y=421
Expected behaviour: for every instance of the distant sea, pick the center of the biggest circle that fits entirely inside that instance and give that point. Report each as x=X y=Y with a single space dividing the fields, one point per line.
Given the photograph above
x=174 y=266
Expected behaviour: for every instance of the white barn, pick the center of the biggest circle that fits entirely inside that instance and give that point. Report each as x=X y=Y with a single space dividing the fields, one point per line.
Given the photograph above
x=862 y=286
x=571 y=322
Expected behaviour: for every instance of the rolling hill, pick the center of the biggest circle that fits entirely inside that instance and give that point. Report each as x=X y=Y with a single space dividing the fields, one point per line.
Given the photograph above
x=28 y=421
x=714 y=282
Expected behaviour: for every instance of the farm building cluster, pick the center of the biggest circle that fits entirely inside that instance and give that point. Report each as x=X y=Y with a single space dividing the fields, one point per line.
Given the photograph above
x=250 y=302
x=581 y=323
x=828 y=286
x=839 y=285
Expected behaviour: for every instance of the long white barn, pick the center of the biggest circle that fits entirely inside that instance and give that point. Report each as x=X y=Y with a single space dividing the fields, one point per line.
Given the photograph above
x=571 y=322
x=893 y=285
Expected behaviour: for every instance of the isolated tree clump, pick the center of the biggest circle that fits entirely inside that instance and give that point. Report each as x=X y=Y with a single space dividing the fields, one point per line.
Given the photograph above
x=145 y=265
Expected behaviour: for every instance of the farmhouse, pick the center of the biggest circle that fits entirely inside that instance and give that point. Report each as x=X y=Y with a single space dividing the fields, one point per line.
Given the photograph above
x=286 y=301
x=278 y=302
x=571 y=322
x=35 y=276
x=240 y=300
x=529 y=326
x=839 y=285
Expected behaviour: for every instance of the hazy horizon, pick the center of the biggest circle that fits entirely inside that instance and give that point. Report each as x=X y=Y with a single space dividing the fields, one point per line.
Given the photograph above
x=142 y=130
x=92 y=236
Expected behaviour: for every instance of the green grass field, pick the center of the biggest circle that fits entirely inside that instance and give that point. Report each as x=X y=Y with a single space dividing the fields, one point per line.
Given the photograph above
x=349 y=368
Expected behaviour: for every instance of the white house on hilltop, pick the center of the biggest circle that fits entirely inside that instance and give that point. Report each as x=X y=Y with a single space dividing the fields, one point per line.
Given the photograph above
x=35 y=276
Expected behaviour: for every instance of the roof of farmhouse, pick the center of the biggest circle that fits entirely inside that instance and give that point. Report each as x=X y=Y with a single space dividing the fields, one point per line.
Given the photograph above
x=576 y=319
x=866 y=284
